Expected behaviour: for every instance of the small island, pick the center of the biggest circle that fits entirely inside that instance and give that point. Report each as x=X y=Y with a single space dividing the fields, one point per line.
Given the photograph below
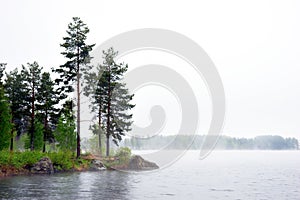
x=40 y=120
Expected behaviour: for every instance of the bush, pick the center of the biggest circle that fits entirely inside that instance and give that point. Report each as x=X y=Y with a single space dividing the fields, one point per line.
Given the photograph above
x=124 y=154
x=62 y=160
x=19 y=159
x=4 y=158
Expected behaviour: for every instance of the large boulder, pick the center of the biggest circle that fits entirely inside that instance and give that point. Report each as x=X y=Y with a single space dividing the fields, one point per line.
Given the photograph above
x=136 y=162
x=43 y=166
x=97 y=165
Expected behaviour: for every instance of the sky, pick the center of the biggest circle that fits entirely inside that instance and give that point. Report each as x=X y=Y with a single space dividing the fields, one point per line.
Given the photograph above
x=255 y=46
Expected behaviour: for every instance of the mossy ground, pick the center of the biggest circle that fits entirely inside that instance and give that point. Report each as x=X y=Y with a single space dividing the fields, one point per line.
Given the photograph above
x=15 y=163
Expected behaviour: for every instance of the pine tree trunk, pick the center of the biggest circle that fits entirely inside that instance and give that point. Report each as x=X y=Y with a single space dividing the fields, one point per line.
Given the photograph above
x=11 y=148
x=107 y=145
x=108 y=115
x=100 y=131
x=108 y=128
x=12 y=141
x=45 y=130
x=78 y=106
x=32 y=117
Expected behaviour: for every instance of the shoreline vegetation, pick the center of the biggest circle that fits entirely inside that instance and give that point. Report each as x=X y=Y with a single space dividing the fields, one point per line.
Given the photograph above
x=36 y=162
x=264 y=142
x=40 y=120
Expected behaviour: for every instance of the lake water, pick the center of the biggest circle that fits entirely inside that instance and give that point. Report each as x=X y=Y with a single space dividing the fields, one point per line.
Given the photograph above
x=222 y=175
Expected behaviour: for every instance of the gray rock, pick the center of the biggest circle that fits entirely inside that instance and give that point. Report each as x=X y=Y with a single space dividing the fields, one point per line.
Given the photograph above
x=97 y=165
x=43 y=166
x=138 y=163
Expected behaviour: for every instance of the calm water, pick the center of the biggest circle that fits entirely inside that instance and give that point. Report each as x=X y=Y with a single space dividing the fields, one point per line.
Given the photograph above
x=222 y=175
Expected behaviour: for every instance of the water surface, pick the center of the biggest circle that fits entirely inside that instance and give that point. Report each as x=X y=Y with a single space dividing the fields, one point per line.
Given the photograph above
x=222 y=175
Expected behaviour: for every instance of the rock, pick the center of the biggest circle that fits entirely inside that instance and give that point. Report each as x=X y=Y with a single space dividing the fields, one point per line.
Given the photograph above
x=97 y=165
x=43 y=166
x=136 y=162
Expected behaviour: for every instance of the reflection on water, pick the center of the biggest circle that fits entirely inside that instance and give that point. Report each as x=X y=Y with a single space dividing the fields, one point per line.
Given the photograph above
x=223 y=175
x=85 y=185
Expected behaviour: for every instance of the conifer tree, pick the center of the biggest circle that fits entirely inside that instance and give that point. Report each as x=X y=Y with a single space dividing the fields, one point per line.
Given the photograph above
x=16 y=95
x=78 y=58
x=47 y=100
x=31 y=75
x=110 y=98
x=5 y=116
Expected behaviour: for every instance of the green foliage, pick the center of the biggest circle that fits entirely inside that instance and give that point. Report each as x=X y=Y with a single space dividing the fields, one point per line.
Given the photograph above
x=38 y=135
x=5 y=121
x=2 y=69
x=78 y=59
x=4 y=157
x=17 y=94
x=47 y=99
x=110 y=98
x=124 y=154
x=65 y=133
x=32 y=77
x=77 y=54
x=19 y=159
x=62 y=160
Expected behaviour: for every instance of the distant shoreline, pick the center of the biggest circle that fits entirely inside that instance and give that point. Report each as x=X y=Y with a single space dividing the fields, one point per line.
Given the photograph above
x=264 y=142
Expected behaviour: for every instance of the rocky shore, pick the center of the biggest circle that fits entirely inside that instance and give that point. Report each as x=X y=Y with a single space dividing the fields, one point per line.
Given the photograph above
x=45 y=166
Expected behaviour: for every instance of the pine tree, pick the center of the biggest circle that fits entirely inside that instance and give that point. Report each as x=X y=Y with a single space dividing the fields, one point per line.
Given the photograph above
x=32 y=76
x=110 y=98
x=5 y=119
x=16 y=95
x=77 y=53
x=5 y=116
x=121 y=119
x=47 y=99
x=96 y=93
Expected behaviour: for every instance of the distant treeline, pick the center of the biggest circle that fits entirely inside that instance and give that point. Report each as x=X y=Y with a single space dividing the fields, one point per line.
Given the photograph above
x=266 y=142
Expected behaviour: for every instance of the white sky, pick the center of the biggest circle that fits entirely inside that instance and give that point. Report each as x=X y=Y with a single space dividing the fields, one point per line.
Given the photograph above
x=255 y=46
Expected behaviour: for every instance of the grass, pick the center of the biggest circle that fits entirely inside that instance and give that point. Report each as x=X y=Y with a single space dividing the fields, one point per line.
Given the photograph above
x=62 y=161
x=120 y=158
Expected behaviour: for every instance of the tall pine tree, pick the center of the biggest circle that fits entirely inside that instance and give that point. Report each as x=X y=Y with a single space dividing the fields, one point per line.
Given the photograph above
x=77 y=53
x=5 y=121
x=110 y=98
x=32 y=76
x=16 y=94
x=47 y=100
x=5 y=115
x=96 y=93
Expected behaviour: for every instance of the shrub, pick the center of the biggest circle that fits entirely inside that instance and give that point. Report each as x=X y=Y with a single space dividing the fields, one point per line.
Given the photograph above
x=124 y=154
x=62 y=160
x=19 y=159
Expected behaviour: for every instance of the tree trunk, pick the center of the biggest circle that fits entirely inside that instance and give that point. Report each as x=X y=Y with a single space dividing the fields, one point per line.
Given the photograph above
x=32 y=117
x=108 y=115
x=12 y=137
x=12 y=140
x=45 y=130
x=100 y=131
x=78 y=106
x=107 y=145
